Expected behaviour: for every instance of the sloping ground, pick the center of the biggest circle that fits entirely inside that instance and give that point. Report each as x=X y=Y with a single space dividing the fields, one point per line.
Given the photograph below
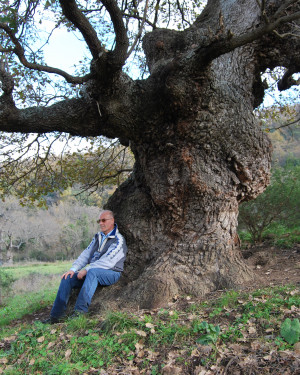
x=230 y=332
x=273 y=266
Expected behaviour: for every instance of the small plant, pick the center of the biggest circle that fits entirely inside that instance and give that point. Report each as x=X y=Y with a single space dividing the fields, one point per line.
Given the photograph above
x=290 y=330
x=211 y=333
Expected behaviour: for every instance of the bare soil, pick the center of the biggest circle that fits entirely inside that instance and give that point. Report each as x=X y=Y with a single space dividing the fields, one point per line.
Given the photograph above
x=273 y=266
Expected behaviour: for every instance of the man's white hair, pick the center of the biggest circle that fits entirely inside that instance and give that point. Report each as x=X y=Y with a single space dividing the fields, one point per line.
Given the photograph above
x=107 y=211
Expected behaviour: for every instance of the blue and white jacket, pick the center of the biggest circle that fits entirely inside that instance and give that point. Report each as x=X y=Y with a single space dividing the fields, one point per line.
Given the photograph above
x=111 y=255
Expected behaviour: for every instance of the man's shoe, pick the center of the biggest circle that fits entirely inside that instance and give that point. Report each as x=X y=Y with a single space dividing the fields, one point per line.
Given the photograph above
x=51 y=320
x=76 y=314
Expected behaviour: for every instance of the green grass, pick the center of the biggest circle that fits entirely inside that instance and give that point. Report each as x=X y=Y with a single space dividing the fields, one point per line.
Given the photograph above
x=17 y=306
x=15 y=303
x=144 y=340
x=84 y=343
x=19 y=271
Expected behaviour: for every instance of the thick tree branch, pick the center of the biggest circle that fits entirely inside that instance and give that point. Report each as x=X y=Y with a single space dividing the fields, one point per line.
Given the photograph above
x=287 y=80
x=73 y=14
x=119 y=54
x=117 y=57
x=228 y=42
x=79 y=117
x=7 y=82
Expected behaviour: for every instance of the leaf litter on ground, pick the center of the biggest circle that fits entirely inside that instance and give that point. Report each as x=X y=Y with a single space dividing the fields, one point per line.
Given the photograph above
x=232 y=333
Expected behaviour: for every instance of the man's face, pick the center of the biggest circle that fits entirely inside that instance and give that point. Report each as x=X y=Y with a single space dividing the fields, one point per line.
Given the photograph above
x=106 y=222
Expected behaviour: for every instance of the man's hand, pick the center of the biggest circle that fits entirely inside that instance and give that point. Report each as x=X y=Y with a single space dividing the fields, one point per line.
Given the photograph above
x=66 y=274
x=81 y=274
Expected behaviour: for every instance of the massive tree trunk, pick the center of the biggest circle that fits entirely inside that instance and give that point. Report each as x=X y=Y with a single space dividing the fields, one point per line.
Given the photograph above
x=199 y=150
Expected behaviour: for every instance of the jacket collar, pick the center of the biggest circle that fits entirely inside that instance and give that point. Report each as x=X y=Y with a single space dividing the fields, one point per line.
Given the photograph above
x=111 y=234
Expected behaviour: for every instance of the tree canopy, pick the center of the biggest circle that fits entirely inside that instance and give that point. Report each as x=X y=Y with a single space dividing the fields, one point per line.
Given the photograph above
x=110 y=35
x=189 y=121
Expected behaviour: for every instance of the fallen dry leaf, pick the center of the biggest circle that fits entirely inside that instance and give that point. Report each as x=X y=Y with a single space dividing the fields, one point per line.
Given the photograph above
x=297 y=347
x=141 y=354
x=41 y=339
x=141 y=333
x=199 y=370
x=171 y=370
x=138 y=346
x=68 y=353
x=152 y=355
x=252 y=330
x=10 y=338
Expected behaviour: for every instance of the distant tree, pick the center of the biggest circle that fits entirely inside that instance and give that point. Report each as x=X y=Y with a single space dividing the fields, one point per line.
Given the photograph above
x=31 y=232
x=279 y=203
x=189 y=121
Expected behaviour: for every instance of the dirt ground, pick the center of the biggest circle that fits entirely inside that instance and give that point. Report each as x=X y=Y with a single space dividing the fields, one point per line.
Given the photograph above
x=273 y=266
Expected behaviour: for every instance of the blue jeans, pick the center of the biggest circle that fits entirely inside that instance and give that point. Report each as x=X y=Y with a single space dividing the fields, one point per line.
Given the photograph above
x=87 y=287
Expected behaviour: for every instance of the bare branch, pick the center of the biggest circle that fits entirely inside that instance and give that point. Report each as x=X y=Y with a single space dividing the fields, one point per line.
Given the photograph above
x=287 y=124
x=156 y=13
x=182 y=12
x=139 y=18
x=19 y=51
x=140 y=30
x=283 y=7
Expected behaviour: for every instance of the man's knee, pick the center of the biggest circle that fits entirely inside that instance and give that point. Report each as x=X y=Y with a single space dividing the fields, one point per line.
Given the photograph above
x=69 y=281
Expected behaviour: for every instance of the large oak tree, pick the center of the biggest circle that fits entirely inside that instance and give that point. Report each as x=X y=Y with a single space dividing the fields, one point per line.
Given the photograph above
x=198 y=149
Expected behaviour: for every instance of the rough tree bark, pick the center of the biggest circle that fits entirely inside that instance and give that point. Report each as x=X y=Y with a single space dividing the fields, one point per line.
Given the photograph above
x=199 y=150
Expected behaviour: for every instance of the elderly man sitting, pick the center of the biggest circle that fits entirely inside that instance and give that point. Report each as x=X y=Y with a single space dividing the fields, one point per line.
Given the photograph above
x=103 y=260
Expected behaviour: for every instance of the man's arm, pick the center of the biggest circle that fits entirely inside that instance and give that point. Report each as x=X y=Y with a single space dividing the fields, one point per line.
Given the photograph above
x=84 y=257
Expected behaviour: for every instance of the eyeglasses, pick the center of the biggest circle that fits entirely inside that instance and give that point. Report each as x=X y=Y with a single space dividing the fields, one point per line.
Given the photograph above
x=103 y=220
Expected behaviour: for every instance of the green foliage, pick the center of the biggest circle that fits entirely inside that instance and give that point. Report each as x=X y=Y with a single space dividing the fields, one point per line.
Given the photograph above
x=211 y=332
x=96 y=169
x=290 y=330
x=6 y=279
x=40 y=255
x=118 y=321
x=277 y=206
